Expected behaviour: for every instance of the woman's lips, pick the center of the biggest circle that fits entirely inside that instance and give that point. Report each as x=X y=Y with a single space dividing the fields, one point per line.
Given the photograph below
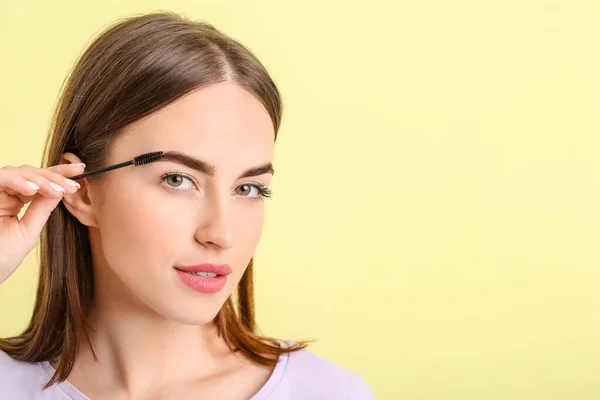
x=201 y=283
x=219 y=269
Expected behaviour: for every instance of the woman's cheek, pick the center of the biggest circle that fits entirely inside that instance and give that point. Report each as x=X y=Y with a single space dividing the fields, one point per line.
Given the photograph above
x=141 y=224
x=248 y=234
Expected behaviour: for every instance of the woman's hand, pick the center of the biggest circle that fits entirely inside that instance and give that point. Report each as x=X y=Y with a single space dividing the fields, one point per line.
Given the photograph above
x=44 y=188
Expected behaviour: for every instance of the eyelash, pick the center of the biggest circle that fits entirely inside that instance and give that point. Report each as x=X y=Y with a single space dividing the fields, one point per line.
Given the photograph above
x=264 y=192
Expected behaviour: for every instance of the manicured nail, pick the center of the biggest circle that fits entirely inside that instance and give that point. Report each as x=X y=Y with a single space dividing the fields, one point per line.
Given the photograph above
x=78 y=164
x=71 y=182
x=56 y=187
x=32 y=185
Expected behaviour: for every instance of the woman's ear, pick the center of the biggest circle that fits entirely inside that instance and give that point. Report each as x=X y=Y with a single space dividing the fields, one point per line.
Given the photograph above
x=80 y=203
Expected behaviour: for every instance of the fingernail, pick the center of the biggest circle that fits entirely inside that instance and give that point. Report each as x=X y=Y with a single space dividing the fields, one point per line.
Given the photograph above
x=71 y=182
x=32 y=185
x=78 y=164
x=56 y=187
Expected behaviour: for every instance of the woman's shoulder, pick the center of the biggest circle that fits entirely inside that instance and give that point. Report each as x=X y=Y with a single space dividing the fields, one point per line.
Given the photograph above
x=11 y=369
x=23 y=380
x=308 y=376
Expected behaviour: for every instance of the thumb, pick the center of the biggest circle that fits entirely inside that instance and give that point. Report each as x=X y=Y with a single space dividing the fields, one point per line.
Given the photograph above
x=37 y=215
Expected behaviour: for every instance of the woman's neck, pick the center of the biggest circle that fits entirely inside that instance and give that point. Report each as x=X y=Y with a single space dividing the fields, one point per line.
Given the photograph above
x=139 y=350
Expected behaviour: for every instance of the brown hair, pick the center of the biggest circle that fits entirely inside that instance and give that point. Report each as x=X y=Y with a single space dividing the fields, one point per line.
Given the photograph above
x=133 y=69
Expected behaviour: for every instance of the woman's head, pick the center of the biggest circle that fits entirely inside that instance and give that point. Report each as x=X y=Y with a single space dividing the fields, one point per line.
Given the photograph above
x=144 y=221
x=157 y=83
x=161 y=83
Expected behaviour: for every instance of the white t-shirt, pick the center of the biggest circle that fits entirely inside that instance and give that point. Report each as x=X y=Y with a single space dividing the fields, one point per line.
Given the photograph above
x=298 y=376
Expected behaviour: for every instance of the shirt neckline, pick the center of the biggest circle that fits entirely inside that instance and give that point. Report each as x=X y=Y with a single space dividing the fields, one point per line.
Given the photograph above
x=263 y=393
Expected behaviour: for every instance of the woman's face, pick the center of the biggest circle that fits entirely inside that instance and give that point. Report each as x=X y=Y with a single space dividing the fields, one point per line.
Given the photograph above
x=151 y=219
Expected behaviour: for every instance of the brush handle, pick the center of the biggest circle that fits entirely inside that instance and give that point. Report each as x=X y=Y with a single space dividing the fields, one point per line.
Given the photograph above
x=102 y=170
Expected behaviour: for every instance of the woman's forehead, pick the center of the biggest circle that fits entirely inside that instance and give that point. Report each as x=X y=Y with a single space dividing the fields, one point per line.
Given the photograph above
x=217 y=132
x=214 y=110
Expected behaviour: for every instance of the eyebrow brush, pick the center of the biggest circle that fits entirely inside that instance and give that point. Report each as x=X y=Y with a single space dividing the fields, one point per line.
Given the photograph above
x=139 y=160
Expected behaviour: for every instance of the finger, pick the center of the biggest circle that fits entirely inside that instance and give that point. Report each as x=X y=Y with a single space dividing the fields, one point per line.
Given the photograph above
x=10 y=205
x=57 y=181
x=48 y=180
x=67 y=170
x=47 y=187
x=11 y=181
x=37 y=215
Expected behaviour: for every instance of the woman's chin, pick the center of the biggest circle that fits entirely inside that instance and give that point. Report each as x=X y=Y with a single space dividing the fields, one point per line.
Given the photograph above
x=198 y=312
x=191 y=317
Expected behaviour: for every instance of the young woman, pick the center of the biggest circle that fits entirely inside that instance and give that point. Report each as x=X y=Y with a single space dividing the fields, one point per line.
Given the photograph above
x=145 y=287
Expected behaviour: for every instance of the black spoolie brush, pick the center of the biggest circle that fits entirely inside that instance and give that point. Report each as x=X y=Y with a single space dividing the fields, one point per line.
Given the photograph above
x=139 y=160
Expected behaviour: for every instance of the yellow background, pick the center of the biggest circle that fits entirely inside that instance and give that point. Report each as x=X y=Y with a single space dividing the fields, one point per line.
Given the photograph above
x=436 y=215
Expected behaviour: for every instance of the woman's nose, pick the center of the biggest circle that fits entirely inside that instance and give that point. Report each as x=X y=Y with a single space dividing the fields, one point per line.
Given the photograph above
x=216 y=228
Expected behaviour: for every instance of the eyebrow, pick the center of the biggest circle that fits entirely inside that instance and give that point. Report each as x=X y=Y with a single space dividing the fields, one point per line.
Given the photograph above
x=209 y=169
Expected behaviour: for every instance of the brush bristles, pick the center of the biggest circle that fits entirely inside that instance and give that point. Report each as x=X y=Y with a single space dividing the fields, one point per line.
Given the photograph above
x=147 y=158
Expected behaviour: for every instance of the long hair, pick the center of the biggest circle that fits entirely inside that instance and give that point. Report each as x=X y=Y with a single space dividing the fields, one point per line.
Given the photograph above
x=134 y=68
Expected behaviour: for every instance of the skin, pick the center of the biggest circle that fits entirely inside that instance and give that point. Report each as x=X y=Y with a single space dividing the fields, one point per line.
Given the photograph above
x=153 y=335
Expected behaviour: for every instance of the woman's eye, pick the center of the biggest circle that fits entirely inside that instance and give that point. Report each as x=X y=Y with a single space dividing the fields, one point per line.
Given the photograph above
x=245 y=190
x=252 y=191
x=178 y=182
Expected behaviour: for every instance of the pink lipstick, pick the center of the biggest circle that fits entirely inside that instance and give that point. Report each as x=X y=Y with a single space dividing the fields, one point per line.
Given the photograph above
x=204 y=278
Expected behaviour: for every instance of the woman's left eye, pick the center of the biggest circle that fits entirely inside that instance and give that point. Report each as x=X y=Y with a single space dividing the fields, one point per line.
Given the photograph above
x=256 y=191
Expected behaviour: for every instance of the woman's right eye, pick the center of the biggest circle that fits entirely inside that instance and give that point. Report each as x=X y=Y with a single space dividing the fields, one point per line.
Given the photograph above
x=177 y=182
